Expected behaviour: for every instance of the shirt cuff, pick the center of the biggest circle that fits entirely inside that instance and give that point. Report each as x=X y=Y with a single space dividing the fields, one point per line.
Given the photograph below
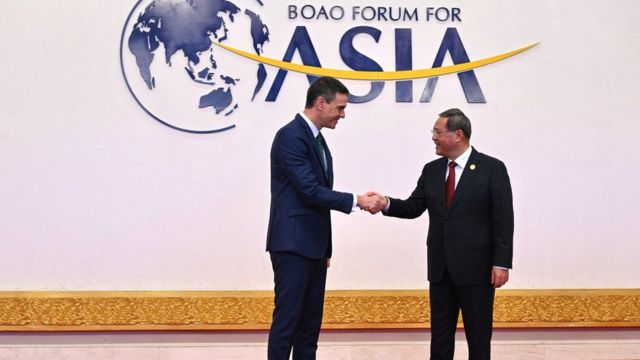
x=386 y=208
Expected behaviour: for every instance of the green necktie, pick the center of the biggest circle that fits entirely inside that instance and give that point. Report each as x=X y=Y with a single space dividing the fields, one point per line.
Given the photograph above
x=320 y=145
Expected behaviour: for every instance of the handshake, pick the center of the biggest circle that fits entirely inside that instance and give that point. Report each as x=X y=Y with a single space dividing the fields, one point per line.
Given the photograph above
x=372 y=202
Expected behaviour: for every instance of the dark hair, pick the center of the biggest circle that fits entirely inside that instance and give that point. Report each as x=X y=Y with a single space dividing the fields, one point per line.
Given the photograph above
x=325 y=86
x=457 y=120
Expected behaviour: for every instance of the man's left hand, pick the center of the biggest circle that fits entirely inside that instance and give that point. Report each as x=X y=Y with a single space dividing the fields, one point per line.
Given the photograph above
x=499 y=277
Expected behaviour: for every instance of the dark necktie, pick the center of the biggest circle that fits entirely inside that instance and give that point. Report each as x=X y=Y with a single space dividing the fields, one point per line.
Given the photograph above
x=320 y=144
x=450 y=184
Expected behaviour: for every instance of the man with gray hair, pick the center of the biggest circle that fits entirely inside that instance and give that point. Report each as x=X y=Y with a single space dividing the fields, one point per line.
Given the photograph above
x=470 y=238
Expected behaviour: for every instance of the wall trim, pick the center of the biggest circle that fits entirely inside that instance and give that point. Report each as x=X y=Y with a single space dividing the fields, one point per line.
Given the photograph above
x=344 y=309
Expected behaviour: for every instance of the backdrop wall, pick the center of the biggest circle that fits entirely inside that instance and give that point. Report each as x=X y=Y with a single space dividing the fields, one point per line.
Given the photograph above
x=97 y=195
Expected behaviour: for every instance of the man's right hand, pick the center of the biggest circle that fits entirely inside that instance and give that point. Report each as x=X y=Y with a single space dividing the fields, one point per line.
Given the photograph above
x=372 y=202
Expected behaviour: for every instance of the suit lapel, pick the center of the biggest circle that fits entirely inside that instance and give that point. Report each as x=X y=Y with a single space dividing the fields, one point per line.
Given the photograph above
x=439 y=178
x=329 y=166
x=468 y=176
x=312 y=141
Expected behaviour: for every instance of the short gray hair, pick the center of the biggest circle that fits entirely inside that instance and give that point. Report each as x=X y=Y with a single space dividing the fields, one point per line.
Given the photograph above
x=457 y=120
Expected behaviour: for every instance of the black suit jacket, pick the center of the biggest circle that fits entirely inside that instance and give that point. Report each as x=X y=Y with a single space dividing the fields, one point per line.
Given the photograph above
x=301 y=194
x=476 y=232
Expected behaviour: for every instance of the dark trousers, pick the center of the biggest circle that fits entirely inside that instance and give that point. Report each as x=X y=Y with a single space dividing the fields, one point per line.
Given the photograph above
x=299 y=297
x=476 y=303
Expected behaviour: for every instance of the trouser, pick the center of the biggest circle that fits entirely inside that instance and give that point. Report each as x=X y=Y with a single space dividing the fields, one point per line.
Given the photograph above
x=299 y=298
x=476 y=303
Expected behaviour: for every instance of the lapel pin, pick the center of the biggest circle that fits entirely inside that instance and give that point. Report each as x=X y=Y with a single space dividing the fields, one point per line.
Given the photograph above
x=472 y=167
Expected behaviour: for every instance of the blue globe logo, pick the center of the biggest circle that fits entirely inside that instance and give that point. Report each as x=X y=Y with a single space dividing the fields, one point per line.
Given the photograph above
x=173 y=69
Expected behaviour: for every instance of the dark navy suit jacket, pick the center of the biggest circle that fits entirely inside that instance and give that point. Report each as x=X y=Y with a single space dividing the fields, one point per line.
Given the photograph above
x=301 y=194
x=476 y=232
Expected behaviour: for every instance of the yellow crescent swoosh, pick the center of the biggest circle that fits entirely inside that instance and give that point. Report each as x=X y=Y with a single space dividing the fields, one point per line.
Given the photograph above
x=376 y=75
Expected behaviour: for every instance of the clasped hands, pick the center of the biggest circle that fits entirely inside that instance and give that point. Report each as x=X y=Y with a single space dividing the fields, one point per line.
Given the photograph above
x=372 y=202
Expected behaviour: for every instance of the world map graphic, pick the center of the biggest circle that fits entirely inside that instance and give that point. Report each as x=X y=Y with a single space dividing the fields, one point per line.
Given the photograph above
x=167 y=29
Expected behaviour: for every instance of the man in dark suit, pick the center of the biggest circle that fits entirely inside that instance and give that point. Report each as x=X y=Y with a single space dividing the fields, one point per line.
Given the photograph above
x=470 y=239
x=299 y=235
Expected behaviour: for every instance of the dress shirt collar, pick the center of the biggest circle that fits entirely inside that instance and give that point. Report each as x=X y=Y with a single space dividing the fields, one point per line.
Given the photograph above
x=313 y=128
x=462 y=159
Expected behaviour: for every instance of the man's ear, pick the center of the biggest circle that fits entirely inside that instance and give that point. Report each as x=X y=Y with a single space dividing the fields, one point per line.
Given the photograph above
x=459 y=135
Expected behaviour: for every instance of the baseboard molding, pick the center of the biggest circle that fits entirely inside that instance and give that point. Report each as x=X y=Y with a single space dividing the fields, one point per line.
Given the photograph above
x=350 y=309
